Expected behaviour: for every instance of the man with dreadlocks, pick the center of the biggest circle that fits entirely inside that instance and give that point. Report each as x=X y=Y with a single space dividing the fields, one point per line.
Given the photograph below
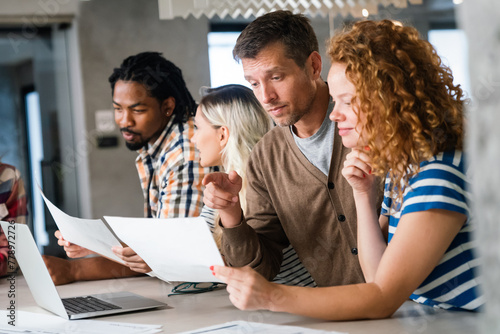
x=154 y=111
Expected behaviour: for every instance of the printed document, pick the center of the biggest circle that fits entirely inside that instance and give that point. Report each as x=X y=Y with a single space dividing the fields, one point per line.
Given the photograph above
x=239 y=327
x=92 y=234
x=180 y=249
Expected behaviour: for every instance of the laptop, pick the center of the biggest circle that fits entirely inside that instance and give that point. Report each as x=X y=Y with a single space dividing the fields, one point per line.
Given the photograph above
x=45 y=293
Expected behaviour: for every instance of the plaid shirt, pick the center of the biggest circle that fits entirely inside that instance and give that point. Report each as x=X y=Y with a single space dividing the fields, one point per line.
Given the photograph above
x=12 y=207
x=12 y=195
x=171 y=175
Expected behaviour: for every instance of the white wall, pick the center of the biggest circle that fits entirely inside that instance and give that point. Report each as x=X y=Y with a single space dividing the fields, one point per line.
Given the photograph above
x=480 y=22
x=10 y=8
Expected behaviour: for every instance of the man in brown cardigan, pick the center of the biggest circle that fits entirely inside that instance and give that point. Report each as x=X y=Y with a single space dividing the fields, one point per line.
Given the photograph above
x=296 y=193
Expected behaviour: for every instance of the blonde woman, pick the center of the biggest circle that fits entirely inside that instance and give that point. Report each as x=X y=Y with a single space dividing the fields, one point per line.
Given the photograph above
x=229 y=122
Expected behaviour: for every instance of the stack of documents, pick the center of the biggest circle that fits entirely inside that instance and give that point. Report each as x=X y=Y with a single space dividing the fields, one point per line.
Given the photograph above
x=178 y=249
x=239 y=327
x=38 y=323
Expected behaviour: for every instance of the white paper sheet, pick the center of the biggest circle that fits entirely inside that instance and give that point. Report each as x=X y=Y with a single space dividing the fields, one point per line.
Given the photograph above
x=238 y=327
x=179 y=249
x=92 y=234
x=39 y=323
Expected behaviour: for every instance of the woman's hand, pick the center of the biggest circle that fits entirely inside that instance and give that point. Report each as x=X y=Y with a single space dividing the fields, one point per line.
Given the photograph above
x=72 y=250
x=358 y=172
x=132 y=260
x=247 y=289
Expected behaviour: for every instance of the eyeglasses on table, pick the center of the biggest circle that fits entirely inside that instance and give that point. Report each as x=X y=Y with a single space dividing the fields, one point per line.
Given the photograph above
x=192 y=287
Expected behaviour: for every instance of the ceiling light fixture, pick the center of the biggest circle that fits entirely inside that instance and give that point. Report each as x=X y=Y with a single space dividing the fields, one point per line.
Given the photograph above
x=170 y=9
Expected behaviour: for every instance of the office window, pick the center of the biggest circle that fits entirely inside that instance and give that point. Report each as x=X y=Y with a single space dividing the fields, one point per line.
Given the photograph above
x=451 y=46
x=36 y=156
x=223 y=68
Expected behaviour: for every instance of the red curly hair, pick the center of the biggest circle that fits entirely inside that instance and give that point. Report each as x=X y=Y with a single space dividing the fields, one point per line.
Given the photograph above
x=411 y=109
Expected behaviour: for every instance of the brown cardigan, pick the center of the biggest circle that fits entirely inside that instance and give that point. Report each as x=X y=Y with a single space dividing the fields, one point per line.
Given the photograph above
x=291 y=201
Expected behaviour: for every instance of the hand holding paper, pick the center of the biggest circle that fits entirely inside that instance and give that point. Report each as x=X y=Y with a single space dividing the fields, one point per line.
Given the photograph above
x=133 y=261
x=72 y=250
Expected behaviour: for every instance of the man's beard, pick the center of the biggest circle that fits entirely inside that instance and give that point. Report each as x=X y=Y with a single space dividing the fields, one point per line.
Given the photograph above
x=135 y=146
x=293 y=118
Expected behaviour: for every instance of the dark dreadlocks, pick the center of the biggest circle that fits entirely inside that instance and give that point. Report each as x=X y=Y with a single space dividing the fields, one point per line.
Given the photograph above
x=161 y=78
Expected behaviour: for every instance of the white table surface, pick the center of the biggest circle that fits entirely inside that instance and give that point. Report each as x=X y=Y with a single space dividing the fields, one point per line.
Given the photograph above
x=189 y=312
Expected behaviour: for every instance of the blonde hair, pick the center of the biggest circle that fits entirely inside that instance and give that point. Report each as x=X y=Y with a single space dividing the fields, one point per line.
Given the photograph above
x=411 y=108
x=237 y=108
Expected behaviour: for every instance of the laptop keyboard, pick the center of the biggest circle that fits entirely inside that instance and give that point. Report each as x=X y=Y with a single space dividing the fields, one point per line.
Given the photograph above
x=86 y=304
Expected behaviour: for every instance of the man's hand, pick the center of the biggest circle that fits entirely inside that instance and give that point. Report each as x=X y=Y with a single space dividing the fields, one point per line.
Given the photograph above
x=72 y=250
x=221 y=193
x=133 y=261
x=61 y=271
x=221 y=189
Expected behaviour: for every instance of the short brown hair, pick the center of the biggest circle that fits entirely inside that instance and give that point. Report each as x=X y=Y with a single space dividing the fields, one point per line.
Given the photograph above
x=293 y=31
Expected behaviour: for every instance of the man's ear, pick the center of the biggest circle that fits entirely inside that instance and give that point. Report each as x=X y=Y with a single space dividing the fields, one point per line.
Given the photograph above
x=316 y=64
x=168 y=106
x=223 y=136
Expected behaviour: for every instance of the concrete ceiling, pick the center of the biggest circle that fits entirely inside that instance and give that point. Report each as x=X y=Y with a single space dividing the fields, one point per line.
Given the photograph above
x=436 y=11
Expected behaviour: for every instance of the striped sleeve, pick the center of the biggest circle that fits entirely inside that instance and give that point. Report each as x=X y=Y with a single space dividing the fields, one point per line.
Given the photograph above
x=440 y=184
x=209 y=214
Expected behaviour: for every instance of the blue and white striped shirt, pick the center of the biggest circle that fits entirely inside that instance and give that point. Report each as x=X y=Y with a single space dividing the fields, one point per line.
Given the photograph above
x=442 y=184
